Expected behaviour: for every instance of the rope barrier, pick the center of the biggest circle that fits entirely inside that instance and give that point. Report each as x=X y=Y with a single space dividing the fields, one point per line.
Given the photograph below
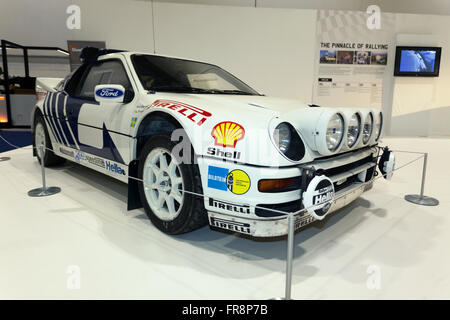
x=304 y=210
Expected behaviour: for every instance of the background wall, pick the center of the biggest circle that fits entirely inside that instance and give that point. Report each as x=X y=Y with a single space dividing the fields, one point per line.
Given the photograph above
x=421 y=106
x=267 y=43
x=36 y=23
x=440 y=7
x=123 y=24
x=259 y=45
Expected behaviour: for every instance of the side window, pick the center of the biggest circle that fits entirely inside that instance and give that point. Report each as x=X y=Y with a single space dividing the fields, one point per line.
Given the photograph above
x=73 y=80
x=108 y=72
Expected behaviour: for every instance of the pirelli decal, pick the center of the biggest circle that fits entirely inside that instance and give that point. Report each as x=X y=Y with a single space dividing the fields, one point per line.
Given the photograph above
x=229 y=206
x=235 y=226
x=195 y=114
x=303 y=221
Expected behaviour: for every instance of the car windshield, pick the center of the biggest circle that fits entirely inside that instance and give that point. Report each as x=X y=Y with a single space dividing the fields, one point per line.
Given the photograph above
x=177 y=75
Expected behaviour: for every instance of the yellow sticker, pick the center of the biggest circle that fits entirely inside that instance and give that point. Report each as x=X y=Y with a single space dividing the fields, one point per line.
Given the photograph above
x=238 y=182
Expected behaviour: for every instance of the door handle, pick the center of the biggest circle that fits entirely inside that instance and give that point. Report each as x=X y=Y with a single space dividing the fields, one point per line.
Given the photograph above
x=70 y=111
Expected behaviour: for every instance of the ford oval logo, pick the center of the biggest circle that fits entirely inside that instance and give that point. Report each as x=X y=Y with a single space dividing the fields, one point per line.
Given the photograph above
x=109 y=93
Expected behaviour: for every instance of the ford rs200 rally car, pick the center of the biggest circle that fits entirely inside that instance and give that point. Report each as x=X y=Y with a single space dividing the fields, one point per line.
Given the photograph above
x=196 y=145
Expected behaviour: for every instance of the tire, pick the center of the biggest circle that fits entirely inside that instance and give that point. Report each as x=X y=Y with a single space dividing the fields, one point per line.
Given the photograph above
x=162 y=181
x=40 y=134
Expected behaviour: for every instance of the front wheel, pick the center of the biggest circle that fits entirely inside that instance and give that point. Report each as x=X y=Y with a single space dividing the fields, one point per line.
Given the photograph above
x=41 y=138
x=169 y=207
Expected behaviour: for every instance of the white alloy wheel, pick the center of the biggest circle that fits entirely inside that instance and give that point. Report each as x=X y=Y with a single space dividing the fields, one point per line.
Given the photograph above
x=163 y=184
x=39 y=139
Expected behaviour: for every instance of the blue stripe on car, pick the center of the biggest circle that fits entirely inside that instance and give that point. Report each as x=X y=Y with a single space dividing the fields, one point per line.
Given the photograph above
x=109 y=150
x=63 y=121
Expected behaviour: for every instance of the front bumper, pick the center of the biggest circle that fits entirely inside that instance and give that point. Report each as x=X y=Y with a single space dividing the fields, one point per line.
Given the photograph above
x=273 y=227
x=250 y=214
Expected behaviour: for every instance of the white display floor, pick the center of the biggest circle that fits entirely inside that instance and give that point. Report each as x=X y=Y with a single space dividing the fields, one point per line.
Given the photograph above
x=379 y=247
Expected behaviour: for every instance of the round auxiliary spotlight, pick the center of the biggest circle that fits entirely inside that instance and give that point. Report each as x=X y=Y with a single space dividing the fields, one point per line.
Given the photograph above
x=318 y=196
x=387 y=163
x=378 y=126
x=367 y=128
x=354 y=129
x=334 y=132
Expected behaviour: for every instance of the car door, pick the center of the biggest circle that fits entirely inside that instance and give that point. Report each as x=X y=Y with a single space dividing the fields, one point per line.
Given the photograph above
x=99 y=128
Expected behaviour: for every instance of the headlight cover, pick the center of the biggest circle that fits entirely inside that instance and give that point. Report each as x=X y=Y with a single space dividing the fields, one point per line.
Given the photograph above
x=282 y=136
x=354 y=128
x=335 y=132
x=378 y=125
x=367 y=128
x=288 y=141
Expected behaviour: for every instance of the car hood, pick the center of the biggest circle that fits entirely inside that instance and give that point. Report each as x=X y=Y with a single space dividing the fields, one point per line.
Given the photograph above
x=232 y=104
x=257 y=115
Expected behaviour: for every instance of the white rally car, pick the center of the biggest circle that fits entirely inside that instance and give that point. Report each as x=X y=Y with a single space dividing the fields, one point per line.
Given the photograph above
x=197 y=145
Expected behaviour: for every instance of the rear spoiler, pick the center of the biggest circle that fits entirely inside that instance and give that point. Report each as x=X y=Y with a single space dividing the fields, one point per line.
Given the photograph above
x=47 y=84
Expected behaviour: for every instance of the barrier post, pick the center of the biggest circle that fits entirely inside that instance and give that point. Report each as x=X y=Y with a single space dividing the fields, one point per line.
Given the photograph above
x=290 y=256
x=420 y=198
x=44 y=191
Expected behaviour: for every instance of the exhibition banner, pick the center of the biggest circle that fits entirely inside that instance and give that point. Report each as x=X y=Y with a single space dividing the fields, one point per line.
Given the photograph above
x=351 y=59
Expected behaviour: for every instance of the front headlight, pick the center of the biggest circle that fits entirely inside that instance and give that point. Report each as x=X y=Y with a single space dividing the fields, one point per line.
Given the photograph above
x=354 y=127
x=282 y=136
x=367 y=128
x=288 y=141
x=335 y=132
x=377 y=126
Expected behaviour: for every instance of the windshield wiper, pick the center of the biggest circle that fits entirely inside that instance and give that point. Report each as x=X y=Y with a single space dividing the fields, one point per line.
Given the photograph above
x=179 y=89
x=234 y=92
x=186 y=89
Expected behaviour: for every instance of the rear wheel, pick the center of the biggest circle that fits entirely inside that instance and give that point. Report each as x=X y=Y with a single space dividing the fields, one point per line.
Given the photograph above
x=169 y=207
x=42 y=138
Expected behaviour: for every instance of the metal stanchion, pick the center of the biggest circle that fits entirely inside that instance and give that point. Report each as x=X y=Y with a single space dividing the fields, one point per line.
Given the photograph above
x=4 y=159
x=420 y=198
x=290 y=256
x=44 y=191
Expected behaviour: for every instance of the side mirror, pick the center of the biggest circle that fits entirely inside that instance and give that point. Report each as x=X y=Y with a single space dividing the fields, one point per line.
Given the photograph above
x=128 y=96
x=112 y=93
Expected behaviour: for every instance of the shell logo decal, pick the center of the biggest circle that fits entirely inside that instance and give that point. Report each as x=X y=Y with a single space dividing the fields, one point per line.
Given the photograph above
x=227 y=134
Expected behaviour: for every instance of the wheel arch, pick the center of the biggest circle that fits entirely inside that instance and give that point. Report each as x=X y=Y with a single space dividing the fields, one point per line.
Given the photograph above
x=154 y=123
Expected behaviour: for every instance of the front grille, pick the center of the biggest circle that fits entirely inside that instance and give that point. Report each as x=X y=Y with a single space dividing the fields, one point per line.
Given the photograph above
x=343 y=153
x=287 y=207
x=352 y=179
x=350 y=166
x=296 y=205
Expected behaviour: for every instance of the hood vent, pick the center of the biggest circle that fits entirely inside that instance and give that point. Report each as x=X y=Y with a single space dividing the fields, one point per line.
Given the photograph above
x=256 y=105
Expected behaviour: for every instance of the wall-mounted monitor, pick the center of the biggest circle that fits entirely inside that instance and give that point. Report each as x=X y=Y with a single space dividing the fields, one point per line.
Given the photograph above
x=417 y=61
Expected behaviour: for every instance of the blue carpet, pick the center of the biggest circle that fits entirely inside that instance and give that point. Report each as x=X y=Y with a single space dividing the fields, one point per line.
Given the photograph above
x=17 y=137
